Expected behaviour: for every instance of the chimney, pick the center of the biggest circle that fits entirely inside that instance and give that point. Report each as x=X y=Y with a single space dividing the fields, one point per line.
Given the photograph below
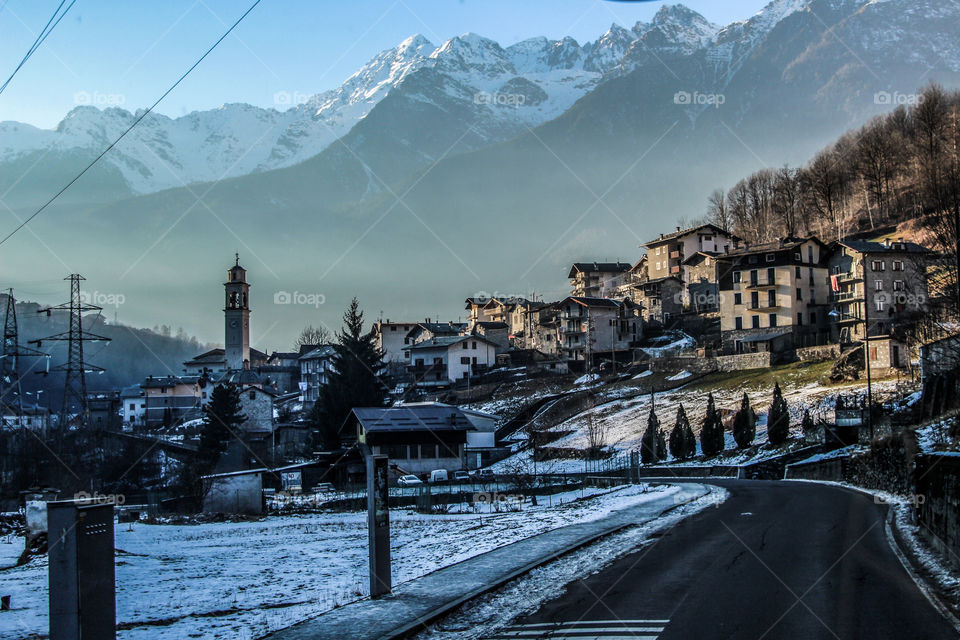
x=886 y=243
x=661 y=236
x=678 y=229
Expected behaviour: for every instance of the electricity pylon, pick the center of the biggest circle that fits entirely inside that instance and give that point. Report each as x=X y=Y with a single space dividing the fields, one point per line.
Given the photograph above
x=11 y=394
x=75 y=384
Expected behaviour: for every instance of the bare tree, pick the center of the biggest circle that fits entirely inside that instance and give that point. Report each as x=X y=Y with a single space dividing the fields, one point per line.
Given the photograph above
x=312 y=335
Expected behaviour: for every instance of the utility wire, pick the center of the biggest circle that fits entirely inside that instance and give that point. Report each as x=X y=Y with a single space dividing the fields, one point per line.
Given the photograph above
x=135 y=123
x=47 y=29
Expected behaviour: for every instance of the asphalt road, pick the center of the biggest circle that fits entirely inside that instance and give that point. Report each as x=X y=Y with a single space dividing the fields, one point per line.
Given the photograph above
x=777 y=560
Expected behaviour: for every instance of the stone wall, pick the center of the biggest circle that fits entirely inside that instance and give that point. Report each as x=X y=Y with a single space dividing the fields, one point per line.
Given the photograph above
x=831 y=469
x=741 y=361
x=691 y=364
x=937 y=502
x=816 y=354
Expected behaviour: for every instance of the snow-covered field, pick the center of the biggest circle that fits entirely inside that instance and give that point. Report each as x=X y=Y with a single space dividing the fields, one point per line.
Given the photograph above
x=241 y=580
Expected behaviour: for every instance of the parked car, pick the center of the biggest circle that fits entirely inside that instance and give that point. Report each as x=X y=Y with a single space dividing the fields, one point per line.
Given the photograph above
x=409 y=481
x=461 y=476
x=439 y=475
x=485 y=475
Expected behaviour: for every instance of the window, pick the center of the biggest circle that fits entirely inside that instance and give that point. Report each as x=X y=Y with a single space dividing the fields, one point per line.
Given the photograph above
x=738 y=323
x=799 y=293
x=799 y=273
x=771 y=257
x=133 y=407
x=771 y=276
x=756 y=322
x=798 y=257
x=773 y=319
x=754 y=299
x=738 y=298
x=465 y=360
x=813 y=317
x=898 y=285
x=754 y=279
x=878 y=265
x=897 y=265
x=474 y=344
x=474 y=359
x=879 y=305
x=736 y=276
x=813 y=296
x=811 y=274
x=253 y=395
x=800 y=318
x=658 y=253
x=707 y=238
x=465 y=345
x=771 y=299
x=753 y=259
x=393 y=328
x=878 y=285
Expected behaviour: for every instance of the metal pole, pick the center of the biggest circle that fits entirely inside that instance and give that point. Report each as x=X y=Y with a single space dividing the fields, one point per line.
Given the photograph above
x=866 y=352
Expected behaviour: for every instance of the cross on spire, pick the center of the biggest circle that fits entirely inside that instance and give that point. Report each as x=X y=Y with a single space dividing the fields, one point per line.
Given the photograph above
x=237 y=256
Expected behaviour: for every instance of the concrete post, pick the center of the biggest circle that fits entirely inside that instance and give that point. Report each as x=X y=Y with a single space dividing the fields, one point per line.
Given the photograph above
x=378 y=524
x=81 y=571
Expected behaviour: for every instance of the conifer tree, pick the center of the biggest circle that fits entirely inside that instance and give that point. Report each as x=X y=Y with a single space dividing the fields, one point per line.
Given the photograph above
x=744 y=424
x=807 y=424
x=353 y=382
x=682 y=443
x=711 y=431
x=661 y=445
x=222 y=418
x=778 y=418
x=649 y=443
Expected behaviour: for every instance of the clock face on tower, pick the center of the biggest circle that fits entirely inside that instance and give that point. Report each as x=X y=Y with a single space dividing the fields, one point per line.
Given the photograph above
x=234 y=324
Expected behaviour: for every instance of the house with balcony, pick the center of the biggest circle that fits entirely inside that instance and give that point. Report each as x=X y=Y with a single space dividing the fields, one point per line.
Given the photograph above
x=542 y=328
x=774 y=297
x=316 y=366
x=661 y=300
x=444 y=360
x=597 y=279
x=169 y=399
x=878 y=290
x=511 y=311
x=595 y=328
x=666 y=254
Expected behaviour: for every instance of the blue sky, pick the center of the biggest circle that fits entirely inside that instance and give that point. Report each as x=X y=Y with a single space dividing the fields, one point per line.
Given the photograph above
x=128 y=52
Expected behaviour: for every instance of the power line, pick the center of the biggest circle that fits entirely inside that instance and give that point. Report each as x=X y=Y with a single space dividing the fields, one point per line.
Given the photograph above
x=47 y=29
x=135 y=123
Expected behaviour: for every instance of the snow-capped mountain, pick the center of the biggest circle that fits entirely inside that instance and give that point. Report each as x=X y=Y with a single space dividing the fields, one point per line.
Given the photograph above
x=523 y=85
x=473 y=83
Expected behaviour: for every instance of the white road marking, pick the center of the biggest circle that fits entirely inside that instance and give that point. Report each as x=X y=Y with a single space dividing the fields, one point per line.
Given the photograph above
x=584 y=630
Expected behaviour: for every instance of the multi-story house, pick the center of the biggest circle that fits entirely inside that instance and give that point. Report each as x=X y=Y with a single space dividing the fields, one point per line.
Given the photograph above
x=594 y=327
x=542 y=328
x=509 y=310
x=597 y=279
x=443 y=360
x=168 y=399
x=774 y=296
x=391 y=339
x=661 y=299
x=876 y=288
x=666 y=254
x=315 y=369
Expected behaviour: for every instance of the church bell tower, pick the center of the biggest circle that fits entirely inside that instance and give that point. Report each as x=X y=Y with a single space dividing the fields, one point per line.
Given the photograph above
x=237 y=318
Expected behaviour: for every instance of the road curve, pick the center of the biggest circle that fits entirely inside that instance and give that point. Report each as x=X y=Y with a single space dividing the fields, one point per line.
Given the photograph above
x=777 y=560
